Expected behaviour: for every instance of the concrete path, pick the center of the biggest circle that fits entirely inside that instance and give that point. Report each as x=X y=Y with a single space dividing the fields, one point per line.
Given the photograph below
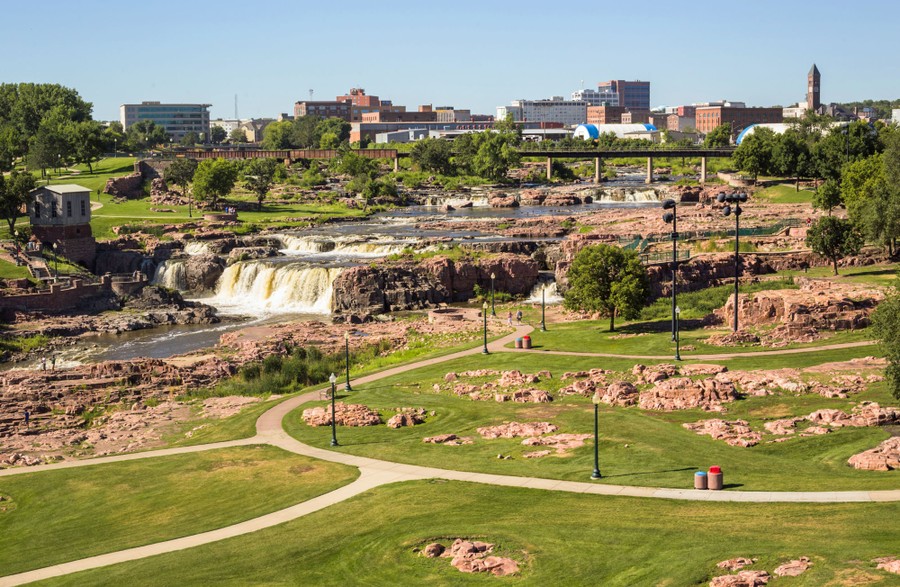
x=375 y=472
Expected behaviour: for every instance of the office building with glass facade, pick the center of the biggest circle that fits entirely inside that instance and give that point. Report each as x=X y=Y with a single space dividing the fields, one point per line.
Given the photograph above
x=177 y=119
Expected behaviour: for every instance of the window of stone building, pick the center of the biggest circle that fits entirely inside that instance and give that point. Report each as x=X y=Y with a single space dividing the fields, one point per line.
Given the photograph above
x=69 y=208
x=53 y=210
x=37 y=209
x=83 y=213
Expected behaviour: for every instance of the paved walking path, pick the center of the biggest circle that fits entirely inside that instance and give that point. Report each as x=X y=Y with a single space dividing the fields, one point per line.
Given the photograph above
x=375 y=472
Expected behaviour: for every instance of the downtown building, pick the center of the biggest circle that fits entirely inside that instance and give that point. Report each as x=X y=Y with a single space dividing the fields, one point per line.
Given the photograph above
x=552 y=110
x=177 y=119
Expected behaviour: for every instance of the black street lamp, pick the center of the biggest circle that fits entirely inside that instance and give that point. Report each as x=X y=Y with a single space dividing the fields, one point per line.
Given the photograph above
x=56 y=258
x=543 y=304
x=493 y=313
x=347 y=360
x=596 y=473
x=728 y=200
x=672 y=218
x=677 y=333
x=334 y=441
x=484 y=351
x=16 y=236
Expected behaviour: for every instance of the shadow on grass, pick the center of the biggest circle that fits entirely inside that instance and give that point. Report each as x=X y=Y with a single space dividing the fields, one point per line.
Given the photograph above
x=732 y=485
x=652 y=472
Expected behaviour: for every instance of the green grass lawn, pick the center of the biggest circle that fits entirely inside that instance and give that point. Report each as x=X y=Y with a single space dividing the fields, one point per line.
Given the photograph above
x=12 y=271
x=784 y=193
x=103 y=170
x=58 y=516
x=558 y=539
x=659 y=451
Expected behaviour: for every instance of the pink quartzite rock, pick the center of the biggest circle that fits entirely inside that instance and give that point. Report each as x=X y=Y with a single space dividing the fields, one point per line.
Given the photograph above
x=448 y=439
x=735 y=432
x=736 y=564
x=742 y=579
x=619 y=393
x=561 y=442
x=406 y=417
x=702 y=369
x=782 y=427
x=793 y=568
x=433 y=550
x=346 y=415
x=682 y=393
x=891 y=564
x=472 y=557
x=536 y=454
x=884 y=457
x=515 y=429
x=653 y=373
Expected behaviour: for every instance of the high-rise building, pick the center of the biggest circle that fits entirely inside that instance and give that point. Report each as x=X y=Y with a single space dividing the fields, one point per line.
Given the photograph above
x=555 y=109
x=177 y=119
x=813 y=78
x=634 y=95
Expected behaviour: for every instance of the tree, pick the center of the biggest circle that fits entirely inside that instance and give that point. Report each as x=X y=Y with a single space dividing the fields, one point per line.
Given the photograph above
x=214 y=179
x=114 y=137
x=305 y=132
x=181 y=173
x=754 y=154
x=190 y=139
x=277 y=135
x=790 y=156
x=258 y=177
x=834 y=238
x=886 y=326
x=237 y=135
x=607 y=279
x=433 y=155
x=14 y=190
x=871 y=202
x=86 y=140
x=718 y=137
x=337 y=129
x=145 y=134
x=828 y=196
x=217 y=135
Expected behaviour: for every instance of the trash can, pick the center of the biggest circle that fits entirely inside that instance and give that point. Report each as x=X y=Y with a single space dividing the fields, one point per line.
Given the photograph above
x=526 y=342
x=519 y=342
x=699 y=480
x=714 y=479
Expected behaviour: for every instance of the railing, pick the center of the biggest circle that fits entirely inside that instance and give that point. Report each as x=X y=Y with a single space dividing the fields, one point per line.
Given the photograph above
x=665 y=257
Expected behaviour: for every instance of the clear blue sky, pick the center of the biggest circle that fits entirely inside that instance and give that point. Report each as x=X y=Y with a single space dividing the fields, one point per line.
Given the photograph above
x=469 y=54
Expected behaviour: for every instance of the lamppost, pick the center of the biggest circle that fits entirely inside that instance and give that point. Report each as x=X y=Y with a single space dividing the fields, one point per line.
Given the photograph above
x=596 y=473
x=677 y=333
x=493 y=313
x=115 y=147
x=728 y=200
x=334 y=442
x=672 y=218
x=543 y=323
x=484 y=351
x=56 y=258
x=347 y=360
x=16 y=236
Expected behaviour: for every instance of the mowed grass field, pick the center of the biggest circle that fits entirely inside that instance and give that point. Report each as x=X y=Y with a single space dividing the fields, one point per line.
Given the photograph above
x=51 y=517
x=557 y=538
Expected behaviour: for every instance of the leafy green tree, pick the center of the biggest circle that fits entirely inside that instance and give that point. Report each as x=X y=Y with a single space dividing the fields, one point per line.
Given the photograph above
x=718 y=137
x=871 y=202
x=114 y=138
x=237 y=135
x=305 y=133
x=886 y=326
x=258 y=178
x=26 y=107
x=338 y=130
x=828 y=196
x=14 y=190
x=181 y=173
x=277 y=135
x=433 y=155
x=217 y=135
x=754 y=154
x=9 y=145
x=834 y=238
x=86 y=140
x=145 y=134
x=609 y=280
x=214 y=179
x=190 y=139
x=791 y=157
x=350 y=163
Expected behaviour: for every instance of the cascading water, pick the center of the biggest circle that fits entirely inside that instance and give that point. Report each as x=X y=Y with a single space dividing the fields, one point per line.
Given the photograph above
x=171 y=274
x=478 y=201
x=196 y=249
x=548 y=287
x=252 y=287
x=345 y=247
x=626 y=195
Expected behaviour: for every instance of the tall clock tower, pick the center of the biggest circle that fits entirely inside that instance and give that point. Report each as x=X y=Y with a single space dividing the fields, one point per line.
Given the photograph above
x=812 y=89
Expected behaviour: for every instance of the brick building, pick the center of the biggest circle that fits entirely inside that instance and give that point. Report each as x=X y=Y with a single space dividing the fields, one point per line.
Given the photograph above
x=635 y=116
x=323 y=109
x=739 y=118
x=605 y=114
x=61 y=215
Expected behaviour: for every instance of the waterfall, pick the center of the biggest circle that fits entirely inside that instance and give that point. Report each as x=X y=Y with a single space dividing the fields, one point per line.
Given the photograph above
x=195 y=248
x=551 y=295
x=626 y=195
x=171 y=274
x=305 y=244
x=352 y=246
x=261 y=287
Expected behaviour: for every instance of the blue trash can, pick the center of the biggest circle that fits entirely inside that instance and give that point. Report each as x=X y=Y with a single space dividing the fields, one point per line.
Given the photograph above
x=700 y=481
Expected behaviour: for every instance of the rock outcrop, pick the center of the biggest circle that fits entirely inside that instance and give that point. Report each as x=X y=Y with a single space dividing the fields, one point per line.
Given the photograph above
x=516 y=429
x=735 y=433
x=345 y=415
x=681 y=393
x=742 y=579
x=884 y=457
x=793 y=568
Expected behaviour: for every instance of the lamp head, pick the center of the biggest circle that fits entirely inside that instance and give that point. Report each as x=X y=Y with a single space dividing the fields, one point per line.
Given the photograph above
x=742 y=197
x=726 y=211
x=668 y=217
x=677 y=310
x=721 y=197
x=484 y=306
x=493 y=276
x=596 y=399
x=332 y=378
x=346 y=336
x=668 y=204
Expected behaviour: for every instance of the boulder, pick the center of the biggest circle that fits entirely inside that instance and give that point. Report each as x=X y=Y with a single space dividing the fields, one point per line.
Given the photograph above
x=736 y=564
x=619 y=393
x=793 y=568
x=742 y=579
x=891 y=564
x=683 y=393
x=560 y=442
x=735 y=433
x=406 y=417
x=345 y=415
x=448 y=439
x=433 y=550
x=884 y=457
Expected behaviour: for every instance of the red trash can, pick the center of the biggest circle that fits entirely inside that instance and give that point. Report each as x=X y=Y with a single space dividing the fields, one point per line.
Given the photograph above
x=526 y=342
x=714 y=479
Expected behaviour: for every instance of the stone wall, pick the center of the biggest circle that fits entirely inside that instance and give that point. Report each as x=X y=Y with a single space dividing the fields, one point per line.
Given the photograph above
x=127 y=186
x=58 y=299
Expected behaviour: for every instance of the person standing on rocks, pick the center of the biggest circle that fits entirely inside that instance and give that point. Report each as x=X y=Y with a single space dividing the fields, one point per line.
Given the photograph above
x=53 y=363
x=27 y=418
x=43 y=363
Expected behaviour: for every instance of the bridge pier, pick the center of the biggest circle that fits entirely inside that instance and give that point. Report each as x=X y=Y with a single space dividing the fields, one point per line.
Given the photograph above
x=596 y=169
x=549 y=168
x=702 y=170
x=396 y=164
x=649 y=170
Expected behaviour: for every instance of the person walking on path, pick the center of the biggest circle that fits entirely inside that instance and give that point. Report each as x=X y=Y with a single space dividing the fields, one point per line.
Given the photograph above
x=53 y=363
x=509 y=318
x=519 y=317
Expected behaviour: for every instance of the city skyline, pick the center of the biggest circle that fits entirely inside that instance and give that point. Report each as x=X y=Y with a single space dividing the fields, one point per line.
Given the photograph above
x=474 y=56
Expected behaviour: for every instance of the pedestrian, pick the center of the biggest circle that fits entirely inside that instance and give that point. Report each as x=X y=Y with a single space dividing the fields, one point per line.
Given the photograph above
x=43 y=363
x=519 y=316
x=27 y=418
x=509 y=318
x=53 y=363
